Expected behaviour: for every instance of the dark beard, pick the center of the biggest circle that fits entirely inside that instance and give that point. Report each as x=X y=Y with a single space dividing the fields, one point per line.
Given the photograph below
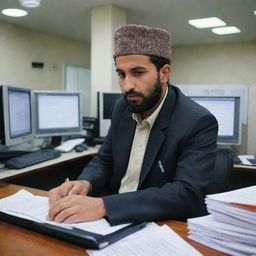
x=147 y=102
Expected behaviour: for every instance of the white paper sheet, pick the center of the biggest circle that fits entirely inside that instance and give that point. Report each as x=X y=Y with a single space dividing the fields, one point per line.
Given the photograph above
x=150 y=241
x=240 y=196
x=25 y=205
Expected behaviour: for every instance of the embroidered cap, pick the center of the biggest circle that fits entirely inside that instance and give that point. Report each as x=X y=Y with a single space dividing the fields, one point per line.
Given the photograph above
x=142 y=40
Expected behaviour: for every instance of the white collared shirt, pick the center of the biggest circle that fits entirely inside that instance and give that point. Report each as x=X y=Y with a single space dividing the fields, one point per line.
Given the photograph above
x=131 y=179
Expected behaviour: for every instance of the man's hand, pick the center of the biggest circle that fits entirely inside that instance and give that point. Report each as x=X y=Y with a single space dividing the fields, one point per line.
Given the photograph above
x=80 y=187
x=77 y=208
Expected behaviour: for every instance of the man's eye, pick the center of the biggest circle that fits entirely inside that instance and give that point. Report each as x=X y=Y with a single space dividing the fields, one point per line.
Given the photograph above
x=121 y=75
x=138 y=73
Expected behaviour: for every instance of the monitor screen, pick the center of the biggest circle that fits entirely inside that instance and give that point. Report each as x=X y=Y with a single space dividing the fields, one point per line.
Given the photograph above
x=227 y=112
x=57 y=113
x=16 y=115
x=106 y=101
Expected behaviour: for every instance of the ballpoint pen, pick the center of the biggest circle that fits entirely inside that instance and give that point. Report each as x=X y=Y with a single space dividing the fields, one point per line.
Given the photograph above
x=160 y=166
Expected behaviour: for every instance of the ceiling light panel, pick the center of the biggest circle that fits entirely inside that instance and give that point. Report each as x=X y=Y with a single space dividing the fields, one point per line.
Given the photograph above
x=30 y=3
x=207 y=22
x=14 y=12
x=226 y=30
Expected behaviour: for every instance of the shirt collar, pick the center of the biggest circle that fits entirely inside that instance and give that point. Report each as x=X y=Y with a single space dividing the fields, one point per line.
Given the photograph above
x=150 y=119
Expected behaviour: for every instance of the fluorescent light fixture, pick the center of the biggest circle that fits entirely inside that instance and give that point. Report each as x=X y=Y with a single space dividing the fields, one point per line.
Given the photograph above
x=255 y=12
x=226 y=30
x=207 y=22
x=30 y=3
x=14 y=12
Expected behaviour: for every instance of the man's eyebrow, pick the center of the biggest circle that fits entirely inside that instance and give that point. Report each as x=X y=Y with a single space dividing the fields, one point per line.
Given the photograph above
x=137 y=68
x=132 y=69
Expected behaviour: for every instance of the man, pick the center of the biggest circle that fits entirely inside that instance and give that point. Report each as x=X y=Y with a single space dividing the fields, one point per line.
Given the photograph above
x=159 y=154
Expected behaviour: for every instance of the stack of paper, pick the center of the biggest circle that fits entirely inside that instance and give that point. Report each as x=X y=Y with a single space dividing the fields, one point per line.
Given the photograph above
x=231 y=225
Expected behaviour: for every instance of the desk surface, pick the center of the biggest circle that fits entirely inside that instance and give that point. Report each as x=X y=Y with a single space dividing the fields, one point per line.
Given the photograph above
x=65 y=157
x=241 y=167
x=15 y=240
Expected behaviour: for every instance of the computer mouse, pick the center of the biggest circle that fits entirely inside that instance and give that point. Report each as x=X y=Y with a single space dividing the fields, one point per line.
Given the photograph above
x=237 y=160
x=81 y=148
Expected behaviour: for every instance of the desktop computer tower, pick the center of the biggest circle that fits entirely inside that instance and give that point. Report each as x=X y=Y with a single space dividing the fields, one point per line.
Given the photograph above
x=2 y=130
x=91 y=126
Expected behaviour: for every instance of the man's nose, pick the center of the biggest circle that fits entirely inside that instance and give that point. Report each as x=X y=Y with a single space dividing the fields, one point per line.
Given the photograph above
x=128 y=84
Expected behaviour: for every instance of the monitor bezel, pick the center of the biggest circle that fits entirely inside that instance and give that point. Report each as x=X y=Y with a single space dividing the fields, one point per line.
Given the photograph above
x=9 y=140
x=56 y=132
x=235 y=139
x=104 y=124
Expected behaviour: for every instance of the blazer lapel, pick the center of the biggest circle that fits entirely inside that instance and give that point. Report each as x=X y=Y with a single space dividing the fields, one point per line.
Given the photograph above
x=156 y=139
x=157 y=135
x=125 y=138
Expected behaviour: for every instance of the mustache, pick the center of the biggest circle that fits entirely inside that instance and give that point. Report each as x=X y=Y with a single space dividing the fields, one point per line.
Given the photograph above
x=133 y=93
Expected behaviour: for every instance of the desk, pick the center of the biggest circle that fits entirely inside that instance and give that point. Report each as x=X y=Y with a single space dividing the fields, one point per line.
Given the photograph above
x=241 y=167
x=15 y=240
x=52 y=173
x=64 y=158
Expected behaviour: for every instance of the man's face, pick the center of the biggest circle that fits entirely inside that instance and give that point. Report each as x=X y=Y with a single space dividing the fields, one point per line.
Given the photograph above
x=139 y=81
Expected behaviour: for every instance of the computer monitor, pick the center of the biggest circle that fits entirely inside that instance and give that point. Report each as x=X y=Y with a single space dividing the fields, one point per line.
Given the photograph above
x=227 y=112
x=57 y=113
x=15 y=115
x=105 y=103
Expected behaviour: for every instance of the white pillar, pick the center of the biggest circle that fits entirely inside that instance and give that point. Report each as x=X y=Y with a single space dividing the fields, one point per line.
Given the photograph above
x=104 y=21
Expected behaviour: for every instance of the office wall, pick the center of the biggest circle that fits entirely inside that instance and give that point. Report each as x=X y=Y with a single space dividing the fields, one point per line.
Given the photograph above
x=20 y=46
x=203 y=64
x=221 y=64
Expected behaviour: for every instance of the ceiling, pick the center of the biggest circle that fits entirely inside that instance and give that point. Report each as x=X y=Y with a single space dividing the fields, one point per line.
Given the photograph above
x=71 y=18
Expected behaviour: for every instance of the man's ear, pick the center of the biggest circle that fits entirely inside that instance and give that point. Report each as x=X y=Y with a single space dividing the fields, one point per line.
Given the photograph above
x=165 y=72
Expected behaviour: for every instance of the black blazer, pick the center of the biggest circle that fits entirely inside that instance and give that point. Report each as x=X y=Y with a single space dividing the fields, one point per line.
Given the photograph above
x=183 y=138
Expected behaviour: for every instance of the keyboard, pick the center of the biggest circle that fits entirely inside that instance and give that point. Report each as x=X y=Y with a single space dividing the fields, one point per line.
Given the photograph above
x=5 y=155
x=32 y=158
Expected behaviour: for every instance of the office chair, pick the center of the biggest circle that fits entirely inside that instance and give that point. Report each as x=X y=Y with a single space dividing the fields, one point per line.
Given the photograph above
x=220 y=181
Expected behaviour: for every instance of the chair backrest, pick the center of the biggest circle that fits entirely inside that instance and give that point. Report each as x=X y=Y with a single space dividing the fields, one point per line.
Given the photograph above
x=220 y=181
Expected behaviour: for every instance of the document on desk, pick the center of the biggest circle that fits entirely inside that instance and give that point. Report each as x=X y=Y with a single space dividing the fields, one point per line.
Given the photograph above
x=25 y=205
x=153 y=240
x=29 y=211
